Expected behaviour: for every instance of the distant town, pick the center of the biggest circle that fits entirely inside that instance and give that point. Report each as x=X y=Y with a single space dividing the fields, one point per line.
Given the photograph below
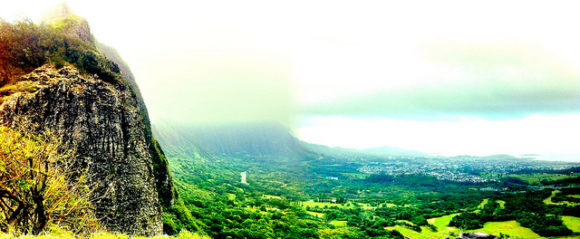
x=462 y=168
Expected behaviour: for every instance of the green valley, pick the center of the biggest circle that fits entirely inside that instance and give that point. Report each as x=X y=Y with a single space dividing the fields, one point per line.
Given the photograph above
x=297 y=190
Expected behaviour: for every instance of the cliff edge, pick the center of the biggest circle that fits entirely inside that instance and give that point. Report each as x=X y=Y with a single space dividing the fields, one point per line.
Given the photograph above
x=56 y=78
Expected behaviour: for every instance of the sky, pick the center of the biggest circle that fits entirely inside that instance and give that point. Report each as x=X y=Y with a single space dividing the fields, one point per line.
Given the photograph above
x=442 y=77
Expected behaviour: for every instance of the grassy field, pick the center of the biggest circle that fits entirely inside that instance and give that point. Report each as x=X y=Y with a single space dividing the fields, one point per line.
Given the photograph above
x=442 y=223
x=573 y=223
x=405 y=221
x=501 y=203
x=339 y=223
x=316 y=214
x=549 y=201
x=425 y=233
x=482 y=204
x=536 y=178
x=511 y=228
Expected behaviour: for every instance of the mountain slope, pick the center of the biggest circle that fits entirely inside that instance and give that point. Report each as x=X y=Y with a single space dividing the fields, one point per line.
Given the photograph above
x=255 y=140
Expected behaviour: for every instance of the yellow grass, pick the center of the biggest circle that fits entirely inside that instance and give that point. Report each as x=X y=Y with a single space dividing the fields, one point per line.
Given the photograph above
x=501 y=203
x=316 y=214
x=511 y=228
x=425 y=233
x=550 y=202
x=442 y=223
x=339 y=223
x=482 y=204
x=573 y=223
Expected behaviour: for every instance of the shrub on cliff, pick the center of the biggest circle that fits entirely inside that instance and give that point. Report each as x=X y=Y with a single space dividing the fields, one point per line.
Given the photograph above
x=37 y=190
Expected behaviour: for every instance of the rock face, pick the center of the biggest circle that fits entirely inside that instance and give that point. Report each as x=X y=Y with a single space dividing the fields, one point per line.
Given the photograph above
x=105 y=125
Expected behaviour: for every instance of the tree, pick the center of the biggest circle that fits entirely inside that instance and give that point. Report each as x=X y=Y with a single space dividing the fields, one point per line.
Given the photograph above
x=39 y=185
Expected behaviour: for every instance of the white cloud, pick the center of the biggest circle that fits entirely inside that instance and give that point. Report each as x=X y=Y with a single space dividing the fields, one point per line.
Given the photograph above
x=331 y=50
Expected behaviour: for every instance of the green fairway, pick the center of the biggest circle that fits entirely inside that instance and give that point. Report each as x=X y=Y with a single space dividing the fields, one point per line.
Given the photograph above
x=316 y=214
x=442 y=223
x=501 y=203
x=511 y=228
x=573 y=223
x=482 y=204
x=425 y=233
x=550 y=202
x=339 y=223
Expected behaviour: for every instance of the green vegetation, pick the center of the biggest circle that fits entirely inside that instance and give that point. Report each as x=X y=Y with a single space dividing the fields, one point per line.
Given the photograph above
x=483 y=203
x=63 y=234
x=276 y=200
x=501 y=203
x=424 y=233
x=289 y=185
x=528 y=209
x=25 y=46
x=442 y=223
x=511 y=228
x=39 y=186
x=573 y=223
x=562 y=200
x=548 y=200
x=543 y=178
x=326 y=205
x=339 y=223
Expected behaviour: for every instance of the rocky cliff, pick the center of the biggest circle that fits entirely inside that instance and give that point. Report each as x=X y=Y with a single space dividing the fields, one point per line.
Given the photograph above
x=98 y=111
x=103 y=123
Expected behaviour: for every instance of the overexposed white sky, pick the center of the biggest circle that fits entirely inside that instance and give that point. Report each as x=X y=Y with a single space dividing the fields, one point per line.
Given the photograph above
x=445 y=77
